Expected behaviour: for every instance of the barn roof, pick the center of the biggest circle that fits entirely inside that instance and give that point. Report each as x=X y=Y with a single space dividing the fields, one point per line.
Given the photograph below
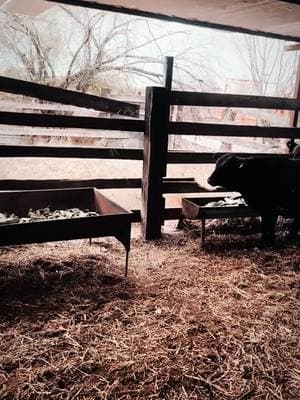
x=273 y=18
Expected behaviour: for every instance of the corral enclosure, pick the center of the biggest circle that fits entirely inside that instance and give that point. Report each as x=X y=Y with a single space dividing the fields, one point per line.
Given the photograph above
x=220 y=322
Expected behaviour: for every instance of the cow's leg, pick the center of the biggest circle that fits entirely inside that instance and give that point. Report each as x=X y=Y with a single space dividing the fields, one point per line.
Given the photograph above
x=268 y=229
x=294 y=229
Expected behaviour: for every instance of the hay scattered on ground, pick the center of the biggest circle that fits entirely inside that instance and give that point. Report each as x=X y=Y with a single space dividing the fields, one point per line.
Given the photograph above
x=220 y=323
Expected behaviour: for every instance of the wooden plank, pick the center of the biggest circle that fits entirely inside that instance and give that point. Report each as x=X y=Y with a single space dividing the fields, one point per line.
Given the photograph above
x=185 y=157
x=171 y=18
x=38 y=184
x=59 y=95
x=295 y=114
x=168 y=72
x=64 y=121
x=203 y=129
x=167 y=179
x=171 y=185
x=232 y=100
x=35 y=106
x=70 y=152
x=173 y=157
x=155 y=160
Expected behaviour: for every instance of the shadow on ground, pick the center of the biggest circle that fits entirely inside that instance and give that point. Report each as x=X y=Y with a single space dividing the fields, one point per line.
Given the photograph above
x=49 y=286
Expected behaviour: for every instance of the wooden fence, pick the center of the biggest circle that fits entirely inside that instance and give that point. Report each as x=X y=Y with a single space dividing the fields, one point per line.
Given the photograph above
x=156 y=128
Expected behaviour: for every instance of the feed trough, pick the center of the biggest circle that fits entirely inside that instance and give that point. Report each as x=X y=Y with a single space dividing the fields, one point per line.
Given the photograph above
x=105 y=218
x=202 y=208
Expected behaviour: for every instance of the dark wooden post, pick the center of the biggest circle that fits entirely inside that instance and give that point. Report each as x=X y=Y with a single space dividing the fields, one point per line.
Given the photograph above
x=168 y=72
x=157 y=110
x=295 y=114
x=167 y=83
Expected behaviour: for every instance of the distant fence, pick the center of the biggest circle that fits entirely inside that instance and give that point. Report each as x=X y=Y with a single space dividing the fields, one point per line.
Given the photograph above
x=17 y=135
x=26 y=105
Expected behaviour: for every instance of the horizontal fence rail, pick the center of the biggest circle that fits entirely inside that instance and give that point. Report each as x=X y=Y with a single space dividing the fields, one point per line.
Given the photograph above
x=170 y=185
x=39 y=184
x=59 y=95
x=203 y=129
x=173 y=157
x=232 y=100
x=174 y=128
x=185 y=157
x=64 y=121
x=70 y=152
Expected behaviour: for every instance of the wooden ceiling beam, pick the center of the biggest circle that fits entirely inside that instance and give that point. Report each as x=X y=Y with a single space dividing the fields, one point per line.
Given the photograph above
x=148 y=14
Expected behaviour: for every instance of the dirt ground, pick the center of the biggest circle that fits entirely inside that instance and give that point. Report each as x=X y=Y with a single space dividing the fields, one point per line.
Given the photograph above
x=187 y=323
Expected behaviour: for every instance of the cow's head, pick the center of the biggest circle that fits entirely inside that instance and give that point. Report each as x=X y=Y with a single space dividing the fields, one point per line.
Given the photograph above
x=228 y=172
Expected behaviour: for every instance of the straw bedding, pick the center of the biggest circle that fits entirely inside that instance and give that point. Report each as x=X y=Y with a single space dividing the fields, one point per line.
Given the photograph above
x=219 y=323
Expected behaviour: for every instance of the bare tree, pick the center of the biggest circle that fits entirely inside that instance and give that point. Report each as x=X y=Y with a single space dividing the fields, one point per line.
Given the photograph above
x=272 y=69
x=99 y=45
x=273 y=72
x=23 y=39
x=131 y=46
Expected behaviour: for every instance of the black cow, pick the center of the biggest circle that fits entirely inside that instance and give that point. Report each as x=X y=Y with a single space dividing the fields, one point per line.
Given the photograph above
x=268 y=184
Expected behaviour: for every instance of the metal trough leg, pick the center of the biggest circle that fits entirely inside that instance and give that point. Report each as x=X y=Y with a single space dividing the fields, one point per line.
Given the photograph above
x=126 y=263
x=202 y=232
x=180 y=221
x=90 y=241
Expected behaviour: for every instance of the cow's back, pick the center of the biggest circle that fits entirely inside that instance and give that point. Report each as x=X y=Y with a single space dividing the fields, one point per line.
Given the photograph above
x=272 y=182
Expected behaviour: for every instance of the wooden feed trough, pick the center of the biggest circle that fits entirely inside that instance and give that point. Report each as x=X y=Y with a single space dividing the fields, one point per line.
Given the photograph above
x=112 y=220
x=196 y=208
